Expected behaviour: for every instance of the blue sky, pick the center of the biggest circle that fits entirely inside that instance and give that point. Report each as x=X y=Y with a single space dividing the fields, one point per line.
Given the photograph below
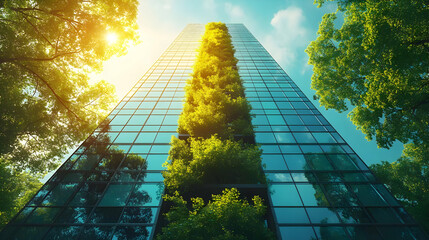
x=284 y=27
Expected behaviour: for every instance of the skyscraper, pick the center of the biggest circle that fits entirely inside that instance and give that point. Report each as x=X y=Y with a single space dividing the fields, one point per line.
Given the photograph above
x=319 y=187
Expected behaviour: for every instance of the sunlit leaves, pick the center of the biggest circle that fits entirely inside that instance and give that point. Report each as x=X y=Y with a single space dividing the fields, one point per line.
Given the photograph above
x=15 y=190
x=48 y=48
x=378 y=63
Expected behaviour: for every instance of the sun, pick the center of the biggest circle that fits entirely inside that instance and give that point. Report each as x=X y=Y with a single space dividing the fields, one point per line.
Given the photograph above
x=111 y=38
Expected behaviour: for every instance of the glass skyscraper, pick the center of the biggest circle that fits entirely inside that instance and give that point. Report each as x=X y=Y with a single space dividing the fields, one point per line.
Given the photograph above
x=318 y=187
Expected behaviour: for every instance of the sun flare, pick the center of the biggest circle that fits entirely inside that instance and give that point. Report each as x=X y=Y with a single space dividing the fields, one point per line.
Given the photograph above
x=111 y=38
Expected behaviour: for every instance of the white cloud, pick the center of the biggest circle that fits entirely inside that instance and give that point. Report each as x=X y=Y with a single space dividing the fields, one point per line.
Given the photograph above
x=288 y=35
x=234 y=12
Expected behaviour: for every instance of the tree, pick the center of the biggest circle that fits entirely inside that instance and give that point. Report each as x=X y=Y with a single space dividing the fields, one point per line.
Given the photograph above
x=47 y=51
x=408 y=180
x=15 y=190
x=225 y=217
x=377 y=62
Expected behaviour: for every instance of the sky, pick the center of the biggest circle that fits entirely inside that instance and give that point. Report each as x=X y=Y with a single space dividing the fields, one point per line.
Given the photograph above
x=284 y=27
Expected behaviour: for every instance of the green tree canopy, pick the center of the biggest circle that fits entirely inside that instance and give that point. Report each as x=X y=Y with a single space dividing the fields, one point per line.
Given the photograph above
x=225 y=217
x=47 y=51
x=378 y=63
x=16 y=189
x=408 y=180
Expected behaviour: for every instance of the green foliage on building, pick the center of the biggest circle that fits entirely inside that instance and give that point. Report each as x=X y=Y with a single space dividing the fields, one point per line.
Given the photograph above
x=225 y=217
x=211 y=161
x=215 y=101
x=215 y=113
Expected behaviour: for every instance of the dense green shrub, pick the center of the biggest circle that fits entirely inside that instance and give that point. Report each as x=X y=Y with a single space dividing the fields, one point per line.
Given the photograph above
x=215 y=102
x=226 y=217
x=211 y=161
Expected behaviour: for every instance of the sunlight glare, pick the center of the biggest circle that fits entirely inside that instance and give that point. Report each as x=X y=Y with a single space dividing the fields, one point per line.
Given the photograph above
x=111 y=38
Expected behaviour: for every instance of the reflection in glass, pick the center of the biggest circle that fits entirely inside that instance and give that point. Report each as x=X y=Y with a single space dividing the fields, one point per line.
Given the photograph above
x=302 y=233
x=99 y=233
x=42 y=215
x=368 y=195
x=312 y=195
x=106 y=215
x=284 y=195
x=331 y=233
x=322 y=215
x=291 y=215
x=61 y=233
x=138 y=215
x=60 y=194
x=74 y=215
x=295 y=162
x=353 y=215
x=88 y=194
x=145 y=195
x=278 y=177
x=132 y=233
x=363 y=232
x=116 y=195
x=339 y=195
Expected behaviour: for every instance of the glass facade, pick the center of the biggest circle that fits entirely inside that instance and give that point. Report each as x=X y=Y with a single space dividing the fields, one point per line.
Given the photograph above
x=111 y=187
x=319 y=187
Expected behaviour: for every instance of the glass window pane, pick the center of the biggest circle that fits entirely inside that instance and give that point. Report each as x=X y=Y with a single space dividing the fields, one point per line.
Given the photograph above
x=139 y=215
x=368 y=195
x=264 y=138
x=339 y=195
x=70 y=232
x=106 y=215
x=60 y=194
x=88 y=194
x=132 y=233
x=43 y=215
x=312 y=195
x=126 y=137
x=353 y=215
x=284 y=137
x=278 y=177
x=155 y=161
x=296 y=162
x=273 y=162
x=304 y=138
x=331 y=233
x=96 y=232
x=74 y=215
x=276 y=120
x=137 y=120
x=322 y=215
x=302 y=233
x=291 y=215
x=284 y=195
x=319 y=161
x=116 y=195
x=146 y=195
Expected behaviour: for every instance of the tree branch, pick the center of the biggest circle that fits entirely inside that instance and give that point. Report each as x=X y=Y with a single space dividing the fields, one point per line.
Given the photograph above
x=62 y=101
x=15 y=59
x=37 y=30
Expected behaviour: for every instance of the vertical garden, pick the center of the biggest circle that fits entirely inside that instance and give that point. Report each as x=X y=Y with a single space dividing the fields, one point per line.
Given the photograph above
x=215 y=153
